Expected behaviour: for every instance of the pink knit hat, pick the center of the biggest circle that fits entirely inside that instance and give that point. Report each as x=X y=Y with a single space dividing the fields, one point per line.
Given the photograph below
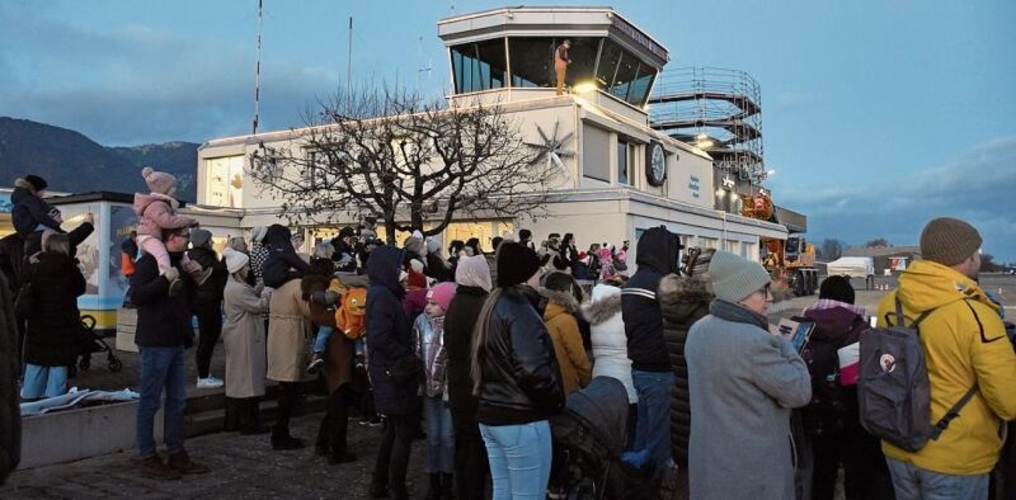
x=158 y=182
x=442 y=294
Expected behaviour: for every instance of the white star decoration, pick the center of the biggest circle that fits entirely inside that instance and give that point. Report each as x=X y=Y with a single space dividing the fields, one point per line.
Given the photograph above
x=552 y=149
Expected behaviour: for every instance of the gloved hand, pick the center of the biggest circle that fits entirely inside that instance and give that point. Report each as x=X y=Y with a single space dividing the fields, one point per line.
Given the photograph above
x=171 y=274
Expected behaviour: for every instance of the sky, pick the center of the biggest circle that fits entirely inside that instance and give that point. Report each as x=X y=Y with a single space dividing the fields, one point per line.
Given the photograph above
x=878 y=115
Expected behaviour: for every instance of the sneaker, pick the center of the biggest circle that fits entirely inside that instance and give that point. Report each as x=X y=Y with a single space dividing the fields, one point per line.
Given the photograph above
x=182 y=463
x=153 y=467
x=209 y=383
x=317 y=362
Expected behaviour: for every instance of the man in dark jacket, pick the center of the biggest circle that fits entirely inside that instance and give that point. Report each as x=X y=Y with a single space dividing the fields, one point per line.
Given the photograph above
x=282 y=264
x=471 y=467
x=163 y=332
x=10 y=369
x=657 y=255
x=207 y=304
x=390 y=348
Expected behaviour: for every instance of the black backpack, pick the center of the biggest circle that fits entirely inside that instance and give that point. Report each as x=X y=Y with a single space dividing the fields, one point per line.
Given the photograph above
x=831 y=407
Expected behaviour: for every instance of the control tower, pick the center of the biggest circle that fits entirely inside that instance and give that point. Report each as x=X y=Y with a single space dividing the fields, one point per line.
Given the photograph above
x=510 y=52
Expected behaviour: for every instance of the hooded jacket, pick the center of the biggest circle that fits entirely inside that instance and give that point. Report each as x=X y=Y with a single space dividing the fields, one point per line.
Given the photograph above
x=54 y=332
x=643 y=321
x=964 y=344
x=563 y=327
x=610 y=347
x=389 y=333
x=684 y=300
x=29 y=210
x=282 y=263
x=157 y=213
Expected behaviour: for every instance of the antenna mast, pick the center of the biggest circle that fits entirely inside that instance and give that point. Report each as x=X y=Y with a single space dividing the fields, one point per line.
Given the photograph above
x=349 y=65
x=257 y=70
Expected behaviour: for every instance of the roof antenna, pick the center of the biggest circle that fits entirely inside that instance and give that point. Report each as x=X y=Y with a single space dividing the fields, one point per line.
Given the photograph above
x=257 y=70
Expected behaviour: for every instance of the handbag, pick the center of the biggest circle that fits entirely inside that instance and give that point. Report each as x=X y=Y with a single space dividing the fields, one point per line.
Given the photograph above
x=405 y=369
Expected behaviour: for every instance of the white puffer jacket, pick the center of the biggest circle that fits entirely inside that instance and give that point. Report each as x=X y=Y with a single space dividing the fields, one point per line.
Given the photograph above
x=610 y=345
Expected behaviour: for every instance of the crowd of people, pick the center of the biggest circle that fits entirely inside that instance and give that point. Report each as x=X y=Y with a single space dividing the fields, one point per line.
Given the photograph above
x=479 y=350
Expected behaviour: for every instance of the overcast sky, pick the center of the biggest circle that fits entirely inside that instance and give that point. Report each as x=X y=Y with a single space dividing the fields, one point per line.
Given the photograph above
x=877 y=114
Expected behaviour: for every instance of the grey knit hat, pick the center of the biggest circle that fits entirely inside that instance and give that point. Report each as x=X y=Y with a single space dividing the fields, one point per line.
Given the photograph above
x=949 y=241
x=200 y=237
x=733 y=278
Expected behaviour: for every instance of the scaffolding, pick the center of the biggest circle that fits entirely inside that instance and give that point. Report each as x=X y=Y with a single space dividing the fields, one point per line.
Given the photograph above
x=718 y=110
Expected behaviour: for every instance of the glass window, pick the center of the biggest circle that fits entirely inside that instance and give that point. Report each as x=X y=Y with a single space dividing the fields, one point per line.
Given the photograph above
x=533 y=60
x=627 y=71
x=479 y=66
x=225 y=181
x=595 y=153
x=609 y=58
x=622 y=162
x=640 y=87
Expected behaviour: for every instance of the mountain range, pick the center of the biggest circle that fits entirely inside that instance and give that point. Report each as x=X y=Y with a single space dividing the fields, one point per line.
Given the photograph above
x=73 y=163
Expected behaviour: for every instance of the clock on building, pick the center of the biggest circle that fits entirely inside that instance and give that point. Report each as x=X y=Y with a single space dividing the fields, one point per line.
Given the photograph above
x=656 y=164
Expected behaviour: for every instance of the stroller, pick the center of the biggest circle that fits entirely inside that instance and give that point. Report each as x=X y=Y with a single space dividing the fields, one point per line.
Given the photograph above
x=92 y=343
x=589 y=436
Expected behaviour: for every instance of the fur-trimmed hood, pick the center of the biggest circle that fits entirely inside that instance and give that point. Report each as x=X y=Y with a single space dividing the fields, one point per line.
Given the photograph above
x=565 y=299
x=681 y=296
x=602 y=310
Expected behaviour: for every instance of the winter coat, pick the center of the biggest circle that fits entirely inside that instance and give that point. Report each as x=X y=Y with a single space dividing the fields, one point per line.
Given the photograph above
x=460 y=319
x=288 y=333
x=282 y=264
x=683 y=300
x=163 y=321
x=610 y=347
x=560 y=317
x=157 y=213
x=964 y=344
x=339 y=351
x=243 y=336
x=834 y=408
x=520 y=378
x=29 y=210
x=208 y=295
x=438 y=268
x=12 y=261
x=429 y=335
x=10 y=370
x=344 y=256
x=54 y=331
x=640 y=308
x=389 y=333
x=743 y=381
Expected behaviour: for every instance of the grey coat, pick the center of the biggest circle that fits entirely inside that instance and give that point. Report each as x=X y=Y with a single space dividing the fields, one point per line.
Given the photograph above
x=243 y=337
x=742 y=381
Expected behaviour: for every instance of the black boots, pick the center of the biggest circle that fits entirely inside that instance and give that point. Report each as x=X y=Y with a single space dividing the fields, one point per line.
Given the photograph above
x=281 y=440
x=441 y=486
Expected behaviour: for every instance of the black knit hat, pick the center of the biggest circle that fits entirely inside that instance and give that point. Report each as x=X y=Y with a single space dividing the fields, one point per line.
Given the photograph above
x=346 y=232
x=516 y=263
x=37 y=182
x=837 y=288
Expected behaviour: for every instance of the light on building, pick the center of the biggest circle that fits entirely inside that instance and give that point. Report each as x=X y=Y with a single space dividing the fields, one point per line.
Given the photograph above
x=770 y=172
x=701 y=137
x=719 y=193
x=584 y=88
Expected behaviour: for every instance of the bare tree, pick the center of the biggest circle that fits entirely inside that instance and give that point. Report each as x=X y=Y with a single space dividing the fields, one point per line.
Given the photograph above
x=404 y=160
x=878 y=243
x=831 y=249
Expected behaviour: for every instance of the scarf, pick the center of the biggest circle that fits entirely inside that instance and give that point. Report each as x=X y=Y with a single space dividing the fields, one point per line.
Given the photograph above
x=738 y=314
x=823 y=304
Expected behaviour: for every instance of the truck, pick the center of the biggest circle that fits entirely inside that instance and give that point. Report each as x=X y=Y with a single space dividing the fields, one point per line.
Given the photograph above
x=790 y=262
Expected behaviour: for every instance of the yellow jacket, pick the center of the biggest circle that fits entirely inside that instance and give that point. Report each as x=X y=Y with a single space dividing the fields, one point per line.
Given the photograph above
x=571 y=355
x=964 y=344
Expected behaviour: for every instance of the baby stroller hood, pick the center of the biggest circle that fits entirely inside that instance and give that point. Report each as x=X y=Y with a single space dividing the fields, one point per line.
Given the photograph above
x=602 y=407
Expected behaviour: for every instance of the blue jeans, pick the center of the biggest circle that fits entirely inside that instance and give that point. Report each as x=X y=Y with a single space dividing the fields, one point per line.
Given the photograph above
x=914 y=483
x=440 y=436
x=321 y=339
x=161 y=367
x=652 y=429
x=520 y=457
x=44 y=381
